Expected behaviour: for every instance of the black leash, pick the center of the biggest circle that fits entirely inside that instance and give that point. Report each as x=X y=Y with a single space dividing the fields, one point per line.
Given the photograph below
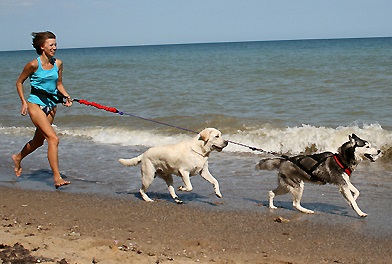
x=258 y=149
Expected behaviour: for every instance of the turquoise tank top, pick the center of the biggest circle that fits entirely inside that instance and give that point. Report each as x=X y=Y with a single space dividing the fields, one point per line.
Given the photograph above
x=45 y=80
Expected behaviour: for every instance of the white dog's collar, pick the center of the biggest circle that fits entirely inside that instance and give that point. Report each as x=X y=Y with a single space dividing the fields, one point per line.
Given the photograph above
x=204 y=156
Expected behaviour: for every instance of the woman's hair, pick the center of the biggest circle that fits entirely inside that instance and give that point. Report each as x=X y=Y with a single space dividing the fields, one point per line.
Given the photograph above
x=39 y=39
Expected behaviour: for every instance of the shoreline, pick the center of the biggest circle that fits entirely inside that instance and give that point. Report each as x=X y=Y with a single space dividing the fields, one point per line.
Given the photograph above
x=83 y=228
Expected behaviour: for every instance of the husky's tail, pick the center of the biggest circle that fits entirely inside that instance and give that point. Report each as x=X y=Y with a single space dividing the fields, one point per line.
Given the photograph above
x=269 y=164
x=131 y=162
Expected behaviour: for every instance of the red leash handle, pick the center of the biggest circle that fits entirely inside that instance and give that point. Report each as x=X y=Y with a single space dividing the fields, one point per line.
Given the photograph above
x=96 y=105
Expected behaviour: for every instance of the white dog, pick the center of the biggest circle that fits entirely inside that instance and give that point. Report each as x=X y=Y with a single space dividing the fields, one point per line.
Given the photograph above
x=183 y=159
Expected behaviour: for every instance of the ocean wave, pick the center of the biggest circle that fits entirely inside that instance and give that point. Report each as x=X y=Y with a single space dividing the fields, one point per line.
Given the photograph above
x=290 y=140
x=306 y=138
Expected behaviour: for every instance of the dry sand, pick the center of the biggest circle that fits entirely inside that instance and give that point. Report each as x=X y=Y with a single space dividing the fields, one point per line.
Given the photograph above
x=59 y=227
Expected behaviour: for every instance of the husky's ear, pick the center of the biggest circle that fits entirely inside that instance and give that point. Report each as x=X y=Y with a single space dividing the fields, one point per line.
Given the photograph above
x=352 y=139
x=354 y=136
x=204 y=135
x=357 y=141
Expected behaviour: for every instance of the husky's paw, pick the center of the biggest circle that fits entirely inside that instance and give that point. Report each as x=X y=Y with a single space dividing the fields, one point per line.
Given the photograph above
x=178 y=201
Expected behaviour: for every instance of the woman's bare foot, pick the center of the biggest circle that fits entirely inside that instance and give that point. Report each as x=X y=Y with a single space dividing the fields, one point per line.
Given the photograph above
x=17 y=167
x=60 y=183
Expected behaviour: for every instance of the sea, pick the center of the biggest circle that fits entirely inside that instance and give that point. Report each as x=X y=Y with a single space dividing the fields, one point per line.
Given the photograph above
x=280 y=97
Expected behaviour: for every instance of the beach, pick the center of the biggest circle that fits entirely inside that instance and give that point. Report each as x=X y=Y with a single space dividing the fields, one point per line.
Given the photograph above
x=58 y=227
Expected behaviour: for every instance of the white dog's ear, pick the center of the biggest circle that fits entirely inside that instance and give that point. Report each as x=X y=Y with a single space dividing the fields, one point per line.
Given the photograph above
x=204 y=135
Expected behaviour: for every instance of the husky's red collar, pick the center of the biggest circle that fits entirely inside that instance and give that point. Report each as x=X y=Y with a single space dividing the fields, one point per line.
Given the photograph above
x=347 y=170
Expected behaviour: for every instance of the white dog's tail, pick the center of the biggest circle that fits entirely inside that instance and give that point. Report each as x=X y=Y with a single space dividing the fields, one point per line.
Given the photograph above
x=269 y=164
x=131 y=162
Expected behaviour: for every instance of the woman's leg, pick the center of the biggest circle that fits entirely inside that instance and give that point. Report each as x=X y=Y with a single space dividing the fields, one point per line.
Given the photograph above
x=36 y=142
x=44 y=131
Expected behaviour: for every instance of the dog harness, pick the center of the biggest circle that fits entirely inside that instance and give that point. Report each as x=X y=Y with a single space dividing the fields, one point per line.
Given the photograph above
x=347 y=170
x=319 y=160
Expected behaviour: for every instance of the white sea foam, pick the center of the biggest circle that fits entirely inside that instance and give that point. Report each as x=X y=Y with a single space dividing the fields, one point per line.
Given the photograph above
x=295 y=140
x=292 y=140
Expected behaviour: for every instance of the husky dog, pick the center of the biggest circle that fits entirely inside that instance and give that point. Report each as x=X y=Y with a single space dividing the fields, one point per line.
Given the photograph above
x=321 y=168
x=185 y=159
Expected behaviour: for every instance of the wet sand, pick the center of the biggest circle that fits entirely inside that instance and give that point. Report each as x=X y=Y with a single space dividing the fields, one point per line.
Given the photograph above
x=60 y=227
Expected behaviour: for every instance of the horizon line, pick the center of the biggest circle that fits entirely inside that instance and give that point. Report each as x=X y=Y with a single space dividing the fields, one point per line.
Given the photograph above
x=212 y=42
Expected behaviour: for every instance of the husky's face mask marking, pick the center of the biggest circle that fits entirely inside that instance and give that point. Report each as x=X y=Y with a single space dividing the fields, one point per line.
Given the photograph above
x=363 y=149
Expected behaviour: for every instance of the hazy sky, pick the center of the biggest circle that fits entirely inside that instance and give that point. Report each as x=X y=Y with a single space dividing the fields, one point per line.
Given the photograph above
x=97 y=23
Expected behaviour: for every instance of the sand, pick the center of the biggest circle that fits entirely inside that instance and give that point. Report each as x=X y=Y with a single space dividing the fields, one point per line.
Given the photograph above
x=61 y=227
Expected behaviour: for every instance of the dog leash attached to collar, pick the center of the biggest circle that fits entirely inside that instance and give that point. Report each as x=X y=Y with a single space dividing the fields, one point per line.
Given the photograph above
x=204 y=156
x=347 y=170
x=116 y=111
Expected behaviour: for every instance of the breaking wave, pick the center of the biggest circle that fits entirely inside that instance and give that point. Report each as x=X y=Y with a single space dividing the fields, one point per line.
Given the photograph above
x=291 y=140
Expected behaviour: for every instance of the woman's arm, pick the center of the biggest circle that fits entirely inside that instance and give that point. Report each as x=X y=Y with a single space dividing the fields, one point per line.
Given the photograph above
x=29 y=68
x=60 y=85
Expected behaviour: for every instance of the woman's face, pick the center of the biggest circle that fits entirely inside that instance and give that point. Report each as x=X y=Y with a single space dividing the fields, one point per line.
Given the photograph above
x=49 y=47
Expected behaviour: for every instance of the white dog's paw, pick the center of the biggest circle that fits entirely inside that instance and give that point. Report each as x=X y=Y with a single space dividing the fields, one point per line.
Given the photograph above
x=183 y=189
x=273 y=207
x=218 y=194
x=302 y=209
x=145 y=197
x=306 y=211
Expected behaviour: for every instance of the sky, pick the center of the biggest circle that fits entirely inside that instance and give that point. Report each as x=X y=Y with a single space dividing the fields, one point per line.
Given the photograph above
x=99 y=23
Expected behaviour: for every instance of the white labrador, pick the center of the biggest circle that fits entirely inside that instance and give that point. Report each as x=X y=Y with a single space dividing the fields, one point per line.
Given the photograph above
x=183 y=159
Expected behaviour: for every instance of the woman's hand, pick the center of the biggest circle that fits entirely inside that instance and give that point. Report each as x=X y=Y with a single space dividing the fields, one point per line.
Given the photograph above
x=23 y=110
x=68 y=101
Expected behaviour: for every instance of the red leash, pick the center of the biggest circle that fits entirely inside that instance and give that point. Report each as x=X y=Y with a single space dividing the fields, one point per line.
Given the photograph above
x=96 y=105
